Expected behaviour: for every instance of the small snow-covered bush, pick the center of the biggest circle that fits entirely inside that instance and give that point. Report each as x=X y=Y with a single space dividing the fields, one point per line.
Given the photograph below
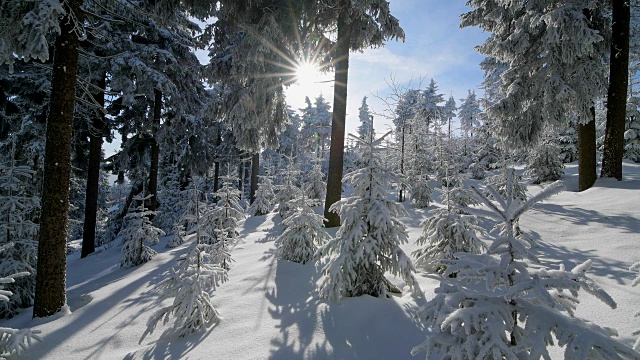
x=287 y=192
x=421 y=192
x=304 y=232
x=497 y=307
x=545 y=163
x=139 y=230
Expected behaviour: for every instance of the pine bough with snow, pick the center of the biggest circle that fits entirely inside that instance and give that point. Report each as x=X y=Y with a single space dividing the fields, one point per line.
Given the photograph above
x=18 y=236
x=139 y=230
x=368 y=242
x=304 y=232
x=497 y=307
x=13 y=341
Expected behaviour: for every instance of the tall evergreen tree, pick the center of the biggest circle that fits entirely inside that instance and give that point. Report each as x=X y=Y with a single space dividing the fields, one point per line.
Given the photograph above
x=365 y=129
x=358 y=25
x=567 y=74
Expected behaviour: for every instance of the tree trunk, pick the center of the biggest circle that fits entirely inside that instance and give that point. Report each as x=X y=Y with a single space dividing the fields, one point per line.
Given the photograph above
x=617 y=93
x=50 y=295
x=93 y=173
x=336 y=150
x=216 y=164
x=587 y=153
x=155 y=151
x=255 y=169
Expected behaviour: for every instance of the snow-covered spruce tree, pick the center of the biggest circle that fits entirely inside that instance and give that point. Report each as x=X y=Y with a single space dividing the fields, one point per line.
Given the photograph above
x=497 y=307
x=18 y=235
x=545 y=163
x=568 y=142
x=368 y=242
x=228 y=210
x=304 y=232
x=632 y=133
x=468 y=114
x=365 y=129
x=447 y=232
x=169 y=197
x=137 y=231
x=287 y=192
x=315 y=188
x=508 y=184
x=265 y=197
x=191 y=284
x=13 y=341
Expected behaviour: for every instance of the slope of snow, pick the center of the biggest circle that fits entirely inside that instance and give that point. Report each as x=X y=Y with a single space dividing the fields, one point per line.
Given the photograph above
x=271 y=310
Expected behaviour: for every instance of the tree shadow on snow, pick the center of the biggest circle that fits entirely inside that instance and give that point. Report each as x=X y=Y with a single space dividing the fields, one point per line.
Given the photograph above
x=293 y=302
x=586 y=217
x=169 y=346
x=554 y=255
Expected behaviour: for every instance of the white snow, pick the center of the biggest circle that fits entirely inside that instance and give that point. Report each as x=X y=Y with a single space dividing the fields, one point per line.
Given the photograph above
x=270 y=307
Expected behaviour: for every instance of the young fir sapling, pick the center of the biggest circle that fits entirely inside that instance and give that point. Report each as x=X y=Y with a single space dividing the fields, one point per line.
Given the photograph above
x=368 y=242
x=448 y=230
x=139 y=230
x=228 y=211
x=315 y=188
x=191 y=284
x=497 y=307
x=287 y=192
x=264 y=197
x=304 y=232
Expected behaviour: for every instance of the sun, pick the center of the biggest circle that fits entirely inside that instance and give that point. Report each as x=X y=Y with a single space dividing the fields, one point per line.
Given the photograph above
x=308 y=76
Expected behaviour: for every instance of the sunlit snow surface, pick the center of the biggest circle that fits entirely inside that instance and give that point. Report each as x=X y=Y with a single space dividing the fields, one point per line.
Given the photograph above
x=271 y=310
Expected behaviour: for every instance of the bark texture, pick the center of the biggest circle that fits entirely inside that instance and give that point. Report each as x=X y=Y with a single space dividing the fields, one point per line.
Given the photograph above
x=255 y=169
x=155 y=151
x=93 y=173
x=617 y=92
x=336 y=151
x=587 y=153
x=50 y=293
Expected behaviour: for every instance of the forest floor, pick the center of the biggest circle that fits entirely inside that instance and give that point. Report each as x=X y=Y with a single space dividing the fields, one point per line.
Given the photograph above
x=270 y=307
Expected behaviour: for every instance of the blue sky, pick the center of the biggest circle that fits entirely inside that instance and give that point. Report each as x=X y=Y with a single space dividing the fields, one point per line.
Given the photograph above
x=435 y=47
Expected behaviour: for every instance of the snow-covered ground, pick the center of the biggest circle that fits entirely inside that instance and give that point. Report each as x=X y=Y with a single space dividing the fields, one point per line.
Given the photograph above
x=271 y=310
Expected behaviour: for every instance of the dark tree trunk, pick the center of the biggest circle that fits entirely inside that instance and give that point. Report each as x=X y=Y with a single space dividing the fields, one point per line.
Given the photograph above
x=255 y=169
x=336 y=150
x=216 y=164
x=93 y=173
x=155 y=151
x=240 y=179
x=617 y=93
x=587 y=153
x=50 y=293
